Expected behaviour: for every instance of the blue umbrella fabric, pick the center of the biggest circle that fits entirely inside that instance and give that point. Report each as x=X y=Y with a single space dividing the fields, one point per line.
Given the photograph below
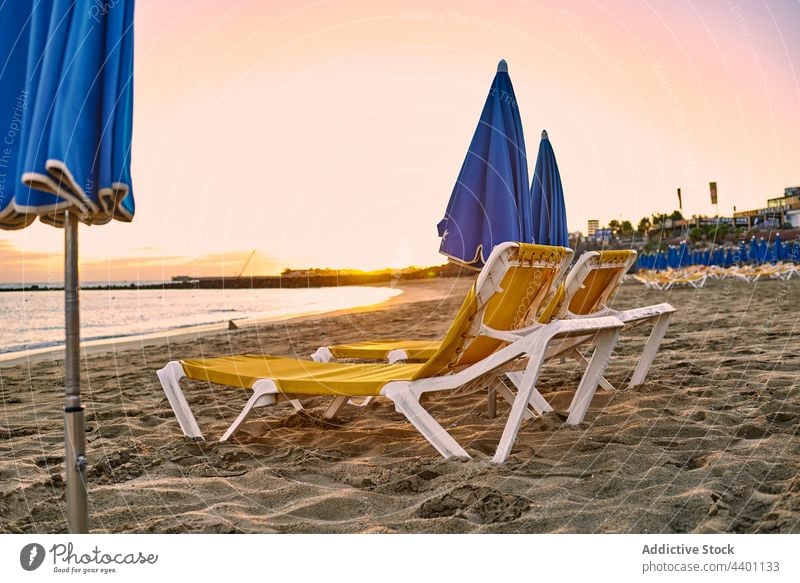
x=490 y=203
x=66 y=98
x=547 y=194
x=778 y=252
x=743 y=257
x=661 y=261
x=729 y=258
x=763 y=251
x=683 y=255
x=719 y=258
x=673 y=259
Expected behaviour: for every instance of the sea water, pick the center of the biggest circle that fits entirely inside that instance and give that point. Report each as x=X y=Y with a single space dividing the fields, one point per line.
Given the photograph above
x=35 y=319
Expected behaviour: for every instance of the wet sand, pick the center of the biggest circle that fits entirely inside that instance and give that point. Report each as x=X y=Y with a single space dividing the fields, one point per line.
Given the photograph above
x=708 y=444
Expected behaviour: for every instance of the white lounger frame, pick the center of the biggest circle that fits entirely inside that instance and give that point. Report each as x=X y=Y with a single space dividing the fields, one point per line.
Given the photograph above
x=530 y=344
x=659 y=314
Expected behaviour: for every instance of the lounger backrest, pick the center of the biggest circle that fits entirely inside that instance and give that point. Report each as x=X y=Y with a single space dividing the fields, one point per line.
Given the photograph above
x=593 y=280
x=515 y=282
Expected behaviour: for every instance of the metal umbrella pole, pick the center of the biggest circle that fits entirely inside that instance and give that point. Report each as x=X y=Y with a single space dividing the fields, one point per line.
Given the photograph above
x=74 y=434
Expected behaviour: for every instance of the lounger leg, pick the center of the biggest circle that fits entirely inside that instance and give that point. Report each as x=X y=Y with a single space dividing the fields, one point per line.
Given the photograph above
x=396 y=355
x=650 y=349
x=259 y=399
x=520 y=406
x=335 y=406
x=323 y=354
x=576 y=354
x=507 y=394
x=170 y=377
x=537 y=401
x=497 y=386
x=407 y=403
x=491 y=409
x=360 y=401
x=606 y=340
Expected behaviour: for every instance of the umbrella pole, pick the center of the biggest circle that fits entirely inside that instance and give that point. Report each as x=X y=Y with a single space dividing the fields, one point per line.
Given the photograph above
x=75 y=436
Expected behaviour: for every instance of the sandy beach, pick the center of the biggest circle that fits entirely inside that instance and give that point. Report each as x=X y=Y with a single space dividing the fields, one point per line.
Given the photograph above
x=708 y=444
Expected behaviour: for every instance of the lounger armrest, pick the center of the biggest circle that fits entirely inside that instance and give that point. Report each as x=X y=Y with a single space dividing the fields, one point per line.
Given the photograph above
x=594 y=322
x=507 y=335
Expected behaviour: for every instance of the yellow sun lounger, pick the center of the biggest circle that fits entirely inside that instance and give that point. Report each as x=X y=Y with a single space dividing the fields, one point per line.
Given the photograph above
x=489 y=332
x=589 y=286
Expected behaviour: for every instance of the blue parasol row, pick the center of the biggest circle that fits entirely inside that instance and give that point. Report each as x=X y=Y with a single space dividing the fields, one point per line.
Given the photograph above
x=757 y=251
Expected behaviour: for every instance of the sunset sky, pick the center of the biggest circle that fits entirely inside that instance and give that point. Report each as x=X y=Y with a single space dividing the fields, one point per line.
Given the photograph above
x=330 y=133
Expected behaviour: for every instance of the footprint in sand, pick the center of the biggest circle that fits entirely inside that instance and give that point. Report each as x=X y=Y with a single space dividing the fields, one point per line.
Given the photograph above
x=477 y=504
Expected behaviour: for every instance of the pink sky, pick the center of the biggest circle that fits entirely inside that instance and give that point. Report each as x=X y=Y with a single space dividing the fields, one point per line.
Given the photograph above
x=331 y=133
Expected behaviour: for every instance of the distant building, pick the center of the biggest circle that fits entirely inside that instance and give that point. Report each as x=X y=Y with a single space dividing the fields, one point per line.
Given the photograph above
x=779 y=210
x=592 y=227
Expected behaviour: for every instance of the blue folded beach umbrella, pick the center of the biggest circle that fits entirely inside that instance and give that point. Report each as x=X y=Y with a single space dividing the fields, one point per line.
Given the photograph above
x=778 y=252
x=673 y=259
x=729 y=257
x=547 y=194
x=743 y=256
x=718 y=257
x=683 y=255
x=754 y=250
x=763 y=250
x=490 y=203
x=649 y=260
x=791 y=250
x=66 y=98
x=661 y=261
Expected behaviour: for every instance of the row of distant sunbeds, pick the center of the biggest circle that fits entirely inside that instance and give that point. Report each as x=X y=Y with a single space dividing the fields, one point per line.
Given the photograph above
x=696 y=276
x=526 y=306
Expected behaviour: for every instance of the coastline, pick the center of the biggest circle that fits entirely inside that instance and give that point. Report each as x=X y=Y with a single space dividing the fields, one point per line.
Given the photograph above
x=410 y=291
